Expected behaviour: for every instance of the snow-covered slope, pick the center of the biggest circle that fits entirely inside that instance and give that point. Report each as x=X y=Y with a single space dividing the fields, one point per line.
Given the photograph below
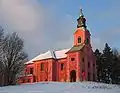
x=55 y=87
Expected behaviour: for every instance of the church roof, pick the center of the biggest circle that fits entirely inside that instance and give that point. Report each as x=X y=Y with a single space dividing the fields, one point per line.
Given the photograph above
x=76 y=48
x=61 y=53
x=50 y=54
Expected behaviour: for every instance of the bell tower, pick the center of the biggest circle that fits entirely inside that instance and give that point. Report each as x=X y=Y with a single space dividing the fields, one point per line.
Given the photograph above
x=81 y=35
x=80 y=58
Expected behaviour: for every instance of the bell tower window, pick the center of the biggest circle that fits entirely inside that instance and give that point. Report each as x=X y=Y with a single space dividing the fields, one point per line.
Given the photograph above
x=79 y=39
x=87 y=41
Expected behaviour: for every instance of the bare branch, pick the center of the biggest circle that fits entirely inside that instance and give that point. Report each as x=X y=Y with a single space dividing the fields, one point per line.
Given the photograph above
x=12 y=57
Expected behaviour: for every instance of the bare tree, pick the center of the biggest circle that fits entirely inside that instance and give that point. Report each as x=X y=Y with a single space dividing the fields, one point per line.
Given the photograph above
x=1 y=65
x=12 y=58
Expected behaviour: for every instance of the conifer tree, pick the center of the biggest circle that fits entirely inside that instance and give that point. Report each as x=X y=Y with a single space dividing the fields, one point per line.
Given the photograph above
x=107 y=64
x=115 y=73
x=98 y=64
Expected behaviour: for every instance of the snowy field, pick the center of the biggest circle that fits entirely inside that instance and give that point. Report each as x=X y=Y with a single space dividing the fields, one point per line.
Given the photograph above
x=55 y=87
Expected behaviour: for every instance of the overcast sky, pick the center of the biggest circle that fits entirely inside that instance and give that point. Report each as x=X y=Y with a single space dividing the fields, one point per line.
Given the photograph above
x=50 y=24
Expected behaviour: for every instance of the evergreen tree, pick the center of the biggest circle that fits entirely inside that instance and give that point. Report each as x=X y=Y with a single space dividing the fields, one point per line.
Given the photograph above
x=107 y=64
x=98 y=64
x=115 y=74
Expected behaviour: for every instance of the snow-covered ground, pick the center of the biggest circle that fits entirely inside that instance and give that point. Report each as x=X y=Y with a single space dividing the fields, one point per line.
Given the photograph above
x=55 y=87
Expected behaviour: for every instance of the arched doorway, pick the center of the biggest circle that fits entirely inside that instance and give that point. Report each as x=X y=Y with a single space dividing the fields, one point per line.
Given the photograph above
x=73 y=76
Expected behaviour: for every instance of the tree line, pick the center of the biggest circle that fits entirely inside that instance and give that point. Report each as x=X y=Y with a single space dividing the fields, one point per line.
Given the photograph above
x=108 y=65
x=12 y=57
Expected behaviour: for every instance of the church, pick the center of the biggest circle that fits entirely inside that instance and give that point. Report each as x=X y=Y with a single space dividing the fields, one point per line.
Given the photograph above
x=68 y=65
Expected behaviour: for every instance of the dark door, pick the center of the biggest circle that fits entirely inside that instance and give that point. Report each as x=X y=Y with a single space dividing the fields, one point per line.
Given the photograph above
x=73 y=76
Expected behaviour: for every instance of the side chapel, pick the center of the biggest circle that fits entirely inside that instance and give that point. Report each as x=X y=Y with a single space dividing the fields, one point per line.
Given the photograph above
x=68 y=65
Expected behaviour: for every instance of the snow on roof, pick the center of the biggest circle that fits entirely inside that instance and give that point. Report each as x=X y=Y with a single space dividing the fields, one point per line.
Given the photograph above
x=45 y=55
x=61 y=53
x=50 y=54
x=29 y=62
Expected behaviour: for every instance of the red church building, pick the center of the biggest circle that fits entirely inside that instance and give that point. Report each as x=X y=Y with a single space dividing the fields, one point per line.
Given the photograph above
x=68 y=65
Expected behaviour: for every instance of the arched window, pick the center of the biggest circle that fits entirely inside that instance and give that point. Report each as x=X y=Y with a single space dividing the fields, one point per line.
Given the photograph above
x=88 y=76
x=93 y=77
x=79 y=39
x=88 y=64
x=83 y=59
x=62 y=66
x=31 y=70
x=42 y=66
x=83 y=63
x=87 y=41
x=72 y=59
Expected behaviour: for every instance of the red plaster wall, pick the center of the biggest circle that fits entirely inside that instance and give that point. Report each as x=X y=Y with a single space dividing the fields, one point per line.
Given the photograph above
x=79 y=33
x=52 y=68
x=73 y=65
x=27 y=78
x=47 y=73
x=84 y=34
x=62 y=73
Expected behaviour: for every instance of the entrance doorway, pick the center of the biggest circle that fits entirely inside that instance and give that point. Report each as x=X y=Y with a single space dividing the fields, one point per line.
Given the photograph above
x=73 y=76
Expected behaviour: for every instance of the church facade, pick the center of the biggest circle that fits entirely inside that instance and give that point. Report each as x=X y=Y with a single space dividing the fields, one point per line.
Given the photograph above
x=68 y=65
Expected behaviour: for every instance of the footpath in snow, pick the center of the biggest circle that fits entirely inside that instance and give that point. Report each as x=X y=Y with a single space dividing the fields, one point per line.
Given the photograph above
x=57 y=87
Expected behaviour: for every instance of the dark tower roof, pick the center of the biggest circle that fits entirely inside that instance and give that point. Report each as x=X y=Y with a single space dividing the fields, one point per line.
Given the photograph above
x=81 y=20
